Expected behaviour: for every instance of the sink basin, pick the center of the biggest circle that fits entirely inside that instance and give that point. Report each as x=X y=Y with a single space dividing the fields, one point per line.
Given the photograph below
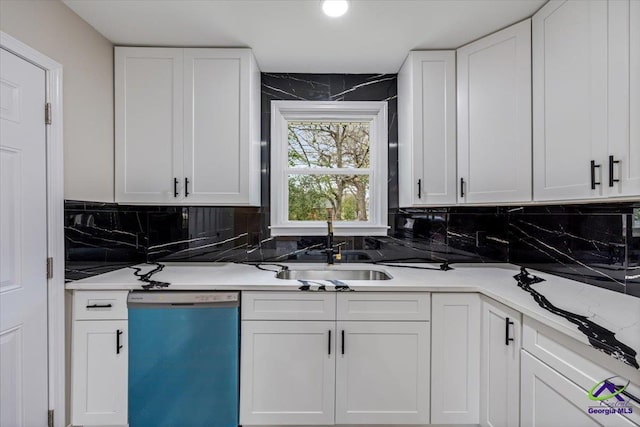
x=333 y=275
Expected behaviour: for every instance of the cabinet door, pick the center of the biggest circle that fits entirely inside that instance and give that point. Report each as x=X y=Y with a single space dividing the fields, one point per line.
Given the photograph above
x=494 y=117
x=427 y=129
x=219 y=127
x=455 y=358
x=382 y=373
x=148 y=125
x=99 y=372
x=287 y=373
x=548 y=399
x=569 y=99
x=500 y=365
x=623 y=161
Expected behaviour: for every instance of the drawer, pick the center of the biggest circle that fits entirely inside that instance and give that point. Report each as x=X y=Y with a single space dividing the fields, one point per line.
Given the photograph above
x=407 y=306
x=100 y=305
x=578 y=362
x=288 y=306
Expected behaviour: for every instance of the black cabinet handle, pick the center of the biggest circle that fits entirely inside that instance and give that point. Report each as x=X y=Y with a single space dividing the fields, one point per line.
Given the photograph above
x=186 y=187
x=342 y=339
x=419 y=189
x=329 y=342
x=506 y=331
x=118 y=346
x=612 y=163
x=175 y=187
x=461 y=187
x=593 y=174
x=99 y=306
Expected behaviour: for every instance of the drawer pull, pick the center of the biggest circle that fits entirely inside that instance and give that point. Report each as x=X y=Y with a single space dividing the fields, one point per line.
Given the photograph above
x=593 y=174
x=118 y=345
x=99 y=306
x=612 y=163
x=506 y=331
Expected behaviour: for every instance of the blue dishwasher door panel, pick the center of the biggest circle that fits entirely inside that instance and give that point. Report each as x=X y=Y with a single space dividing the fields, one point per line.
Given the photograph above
x=183 y=367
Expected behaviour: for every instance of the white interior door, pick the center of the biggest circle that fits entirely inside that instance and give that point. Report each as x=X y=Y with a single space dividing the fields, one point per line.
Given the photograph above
x=23 y=244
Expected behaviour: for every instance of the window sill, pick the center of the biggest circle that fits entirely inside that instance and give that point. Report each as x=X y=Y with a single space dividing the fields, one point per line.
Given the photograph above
x=321 y=230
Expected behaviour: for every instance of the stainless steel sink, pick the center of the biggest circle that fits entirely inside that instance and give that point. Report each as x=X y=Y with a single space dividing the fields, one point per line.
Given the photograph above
x=330 y=274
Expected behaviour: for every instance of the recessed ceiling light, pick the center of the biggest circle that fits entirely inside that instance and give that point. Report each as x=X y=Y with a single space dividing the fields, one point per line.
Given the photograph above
x=335 y=8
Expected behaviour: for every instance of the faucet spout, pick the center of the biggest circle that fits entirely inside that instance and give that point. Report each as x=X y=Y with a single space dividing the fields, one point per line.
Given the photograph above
x=330 y=250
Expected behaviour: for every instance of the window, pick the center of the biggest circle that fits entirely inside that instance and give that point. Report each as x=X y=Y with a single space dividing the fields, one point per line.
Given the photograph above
x=328 y=155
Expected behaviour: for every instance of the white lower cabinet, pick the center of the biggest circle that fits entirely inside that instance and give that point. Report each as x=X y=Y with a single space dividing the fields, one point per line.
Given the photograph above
x=329 y=368
x=455 y=358
x=99 y=359
x=557 y=374
x=500 y=365
x=549 y=399
x=287 y=373
x=382 y=373
x=99 y=373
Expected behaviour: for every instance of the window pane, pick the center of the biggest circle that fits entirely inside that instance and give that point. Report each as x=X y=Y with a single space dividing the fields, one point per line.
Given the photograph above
x=328 y=145
x=310 y=195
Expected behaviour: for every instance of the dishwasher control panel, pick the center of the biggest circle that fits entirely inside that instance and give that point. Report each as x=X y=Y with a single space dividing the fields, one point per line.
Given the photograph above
x=182 y=297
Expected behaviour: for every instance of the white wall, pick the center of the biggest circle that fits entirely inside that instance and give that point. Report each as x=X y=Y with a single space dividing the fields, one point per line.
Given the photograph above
x=87 y=57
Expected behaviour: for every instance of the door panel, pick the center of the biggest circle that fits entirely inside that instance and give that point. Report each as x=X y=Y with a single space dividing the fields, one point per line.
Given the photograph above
x=382 y=373
x=148 y=124
x=624 y=99
x=500 y=366
x=455 y=377
x=569 y=99
x=287 y=373
x=23 y=250
x=549 y=399
x=494 y=116
x=216 y=125
x=99 y=382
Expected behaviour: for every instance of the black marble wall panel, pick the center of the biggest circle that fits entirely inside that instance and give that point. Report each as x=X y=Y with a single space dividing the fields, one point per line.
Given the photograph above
x=331 y=87
x=595 y=244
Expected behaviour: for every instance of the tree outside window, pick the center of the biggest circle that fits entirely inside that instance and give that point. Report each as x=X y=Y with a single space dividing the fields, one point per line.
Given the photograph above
x=333 y=159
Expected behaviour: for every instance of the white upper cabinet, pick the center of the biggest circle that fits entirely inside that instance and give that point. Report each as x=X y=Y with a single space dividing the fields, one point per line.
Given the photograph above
x=427 y=129
x=148 y=120
x=570 y=121
x=494 y=117
x=187 y=126
x=622 y=163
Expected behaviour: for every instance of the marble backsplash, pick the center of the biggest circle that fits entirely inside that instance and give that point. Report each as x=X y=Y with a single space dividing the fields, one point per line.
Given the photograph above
x=596 y=244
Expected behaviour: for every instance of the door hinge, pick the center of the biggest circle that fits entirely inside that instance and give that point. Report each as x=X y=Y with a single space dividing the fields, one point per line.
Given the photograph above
x=50 y=418
x=47 y=113
x=49 y=268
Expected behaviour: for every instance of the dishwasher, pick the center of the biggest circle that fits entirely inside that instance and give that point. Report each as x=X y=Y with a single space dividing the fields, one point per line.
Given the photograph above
x=183 y=359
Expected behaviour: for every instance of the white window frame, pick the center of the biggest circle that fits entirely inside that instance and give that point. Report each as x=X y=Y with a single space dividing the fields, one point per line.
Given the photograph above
x=283 y=112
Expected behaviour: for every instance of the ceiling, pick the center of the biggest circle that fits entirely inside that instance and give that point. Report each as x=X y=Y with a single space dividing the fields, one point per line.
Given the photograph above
x=295 y=36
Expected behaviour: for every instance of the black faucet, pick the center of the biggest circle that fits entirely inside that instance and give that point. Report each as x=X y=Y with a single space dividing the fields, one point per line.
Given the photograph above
x=330 y=248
